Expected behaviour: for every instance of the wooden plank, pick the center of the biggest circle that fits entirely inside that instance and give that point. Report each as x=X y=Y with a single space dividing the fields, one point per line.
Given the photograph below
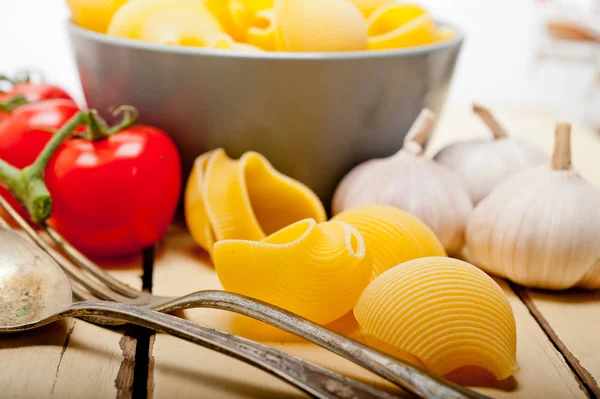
x=571 y=319
x=70 y=359
x=182 y=370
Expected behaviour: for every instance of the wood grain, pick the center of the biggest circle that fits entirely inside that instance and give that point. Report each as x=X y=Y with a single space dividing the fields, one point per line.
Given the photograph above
x=570 y=319
x=74 y=359
x=71 y=359
x=182 y=370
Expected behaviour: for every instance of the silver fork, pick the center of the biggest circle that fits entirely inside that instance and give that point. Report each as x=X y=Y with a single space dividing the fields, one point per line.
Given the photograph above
x=89 y=282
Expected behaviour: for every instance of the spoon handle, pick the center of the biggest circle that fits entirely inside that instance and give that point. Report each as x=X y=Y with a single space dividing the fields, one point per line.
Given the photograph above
x=316 y=381
x=414 y=379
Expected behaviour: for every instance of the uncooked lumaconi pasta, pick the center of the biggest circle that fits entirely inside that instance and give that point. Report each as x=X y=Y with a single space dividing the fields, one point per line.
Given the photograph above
x=262 y=32
x=271 y=25
x=397 y=25
x=129 y=20
x=94 y=14
x=224 y=42
x=392 y=236
x=319 y=25
x=367 y=6
x=182 y=25
x=244 y=199
x=315 y=270
x=237 y=16
x=444 y=311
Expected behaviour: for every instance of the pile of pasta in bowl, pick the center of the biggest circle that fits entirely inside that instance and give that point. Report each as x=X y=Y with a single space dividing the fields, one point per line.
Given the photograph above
x=265 y=25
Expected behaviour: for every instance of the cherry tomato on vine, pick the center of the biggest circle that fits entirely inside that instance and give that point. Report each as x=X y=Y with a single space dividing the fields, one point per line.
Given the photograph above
x=34 y=92
x=28 y=129
x=115 y=195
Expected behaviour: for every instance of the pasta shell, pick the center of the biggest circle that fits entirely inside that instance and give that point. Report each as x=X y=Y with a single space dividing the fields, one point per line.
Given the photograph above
x=396 y=25
x=319 y=25
x=315 y=270
x=129 y=20
x=248 y=199
x=243 y=199
x=181 y=25
x=225 y=42
x=220 y=9
x=243 y=12
x=392 y=235
x=236 y=16
x=94 y=14
x=446 y=312
x=263 y=32
x=195 y=211
x=367 y=6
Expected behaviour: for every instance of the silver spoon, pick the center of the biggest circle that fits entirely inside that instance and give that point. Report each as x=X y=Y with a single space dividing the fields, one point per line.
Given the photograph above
x=34 y=292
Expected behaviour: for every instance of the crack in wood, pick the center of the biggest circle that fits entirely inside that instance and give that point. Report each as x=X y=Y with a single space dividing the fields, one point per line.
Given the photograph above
x=134 y=376
x=585 y=379
x=151 y=362
x=125 y=377
x=62 y=354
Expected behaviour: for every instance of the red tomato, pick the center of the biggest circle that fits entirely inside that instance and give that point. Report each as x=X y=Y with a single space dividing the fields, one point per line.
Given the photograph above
x=28 y=130
x=115 y=196
x=38 y=91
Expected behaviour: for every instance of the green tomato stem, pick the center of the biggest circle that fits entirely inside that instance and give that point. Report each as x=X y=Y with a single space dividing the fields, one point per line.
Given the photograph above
x=27 y=185
x=13 y=103
x=130 y=117
x=98 y=129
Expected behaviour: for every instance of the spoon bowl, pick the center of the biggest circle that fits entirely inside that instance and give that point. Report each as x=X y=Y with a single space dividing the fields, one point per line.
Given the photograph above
x=32 y=286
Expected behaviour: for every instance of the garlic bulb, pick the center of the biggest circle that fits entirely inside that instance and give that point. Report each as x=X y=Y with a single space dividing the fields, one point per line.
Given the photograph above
x=409 y=181
x=541 y=227
x=484 y=163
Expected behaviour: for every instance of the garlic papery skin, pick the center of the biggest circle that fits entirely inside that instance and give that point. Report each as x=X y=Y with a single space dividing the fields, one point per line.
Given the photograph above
x=413 y=183
x=541 y=227
x=485 y=163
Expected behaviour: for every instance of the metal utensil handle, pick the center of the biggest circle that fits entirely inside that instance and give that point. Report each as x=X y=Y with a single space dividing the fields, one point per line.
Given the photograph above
x=310 y=378
x=414 y=379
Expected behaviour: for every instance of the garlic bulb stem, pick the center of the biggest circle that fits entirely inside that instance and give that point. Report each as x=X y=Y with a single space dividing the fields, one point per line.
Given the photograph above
x=419 y=132
x=561 y=159
x=491 y=122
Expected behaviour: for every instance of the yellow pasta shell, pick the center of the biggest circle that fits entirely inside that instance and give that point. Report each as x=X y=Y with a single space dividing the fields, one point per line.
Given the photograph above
x=315 y=270
x=248 y=199
x=446 y=312
x=263 y=31
x=220 y=9
x=94 y=14
x=397 y=25
x=243 y=12
x=244 y=199
x=195 y=211
x=319 y=25
x=129 y=20
x=181 y=25
x=236 y=16
x=225 y=42
x=392 y=236
x=367 y=6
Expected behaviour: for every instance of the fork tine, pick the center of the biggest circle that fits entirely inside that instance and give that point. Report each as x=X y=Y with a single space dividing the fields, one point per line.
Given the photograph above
x=87 y=264
x=80 y=293
x=99 y=290
x=4 y=224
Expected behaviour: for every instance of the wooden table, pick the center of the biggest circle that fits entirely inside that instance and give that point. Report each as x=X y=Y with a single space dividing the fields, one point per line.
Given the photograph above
x=558 y=334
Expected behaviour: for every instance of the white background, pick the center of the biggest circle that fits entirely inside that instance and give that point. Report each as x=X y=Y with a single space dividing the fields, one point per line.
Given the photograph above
x=498 y=63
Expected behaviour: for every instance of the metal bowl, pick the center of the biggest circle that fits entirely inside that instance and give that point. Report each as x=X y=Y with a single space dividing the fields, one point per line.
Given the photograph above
x=313 y=115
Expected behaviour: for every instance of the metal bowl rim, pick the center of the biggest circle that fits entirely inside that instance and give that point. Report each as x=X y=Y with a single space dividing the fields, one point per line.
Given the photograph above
x=316 y=56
